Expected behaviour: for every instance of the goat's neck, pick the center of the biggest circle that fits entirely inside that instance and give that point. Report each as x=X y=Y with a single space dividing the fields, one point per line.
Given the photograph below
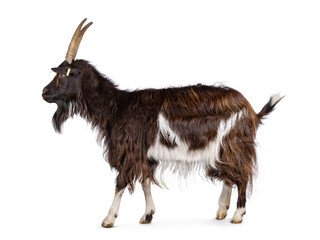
x=101 y=102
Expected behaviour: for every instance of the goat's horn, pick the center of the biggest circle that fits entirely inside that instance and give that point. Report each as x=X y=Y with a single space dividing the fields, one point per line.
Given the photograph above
x=75 y=41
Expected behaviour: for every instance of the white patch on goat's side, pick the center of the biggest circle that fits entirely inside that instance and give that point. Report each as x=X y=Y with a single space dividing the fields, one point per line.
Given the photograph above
x=180 y=159
x=275 y=98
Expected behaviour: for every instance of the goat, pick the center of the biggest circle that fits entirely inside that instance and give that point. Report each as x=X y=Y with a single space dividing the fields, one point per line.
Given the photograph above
x=211 y=128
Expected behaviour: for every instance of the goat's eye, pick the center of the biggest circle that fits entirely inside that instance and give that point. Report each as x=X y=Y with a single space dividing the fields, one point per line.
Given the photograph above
x=62 y=75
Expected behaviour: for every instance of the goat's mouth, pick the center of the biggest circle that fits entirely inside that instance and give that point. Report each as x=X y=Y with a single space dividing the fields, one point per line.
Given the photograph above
x=47 y=97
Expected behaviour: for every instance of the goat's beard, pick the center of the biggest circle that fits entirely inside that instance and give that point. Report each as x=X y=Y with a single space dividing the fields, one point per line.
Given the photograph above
x=60 y=116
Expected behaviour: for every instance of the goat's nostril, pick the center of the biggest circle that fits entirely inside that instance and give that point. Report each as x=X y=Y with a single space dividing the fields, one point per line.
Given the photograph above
x=45 y=92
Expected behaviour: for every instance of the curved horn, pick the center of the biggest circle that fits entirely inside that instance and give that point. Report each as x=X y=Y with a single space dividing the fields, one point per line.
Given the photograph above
x=75 y=41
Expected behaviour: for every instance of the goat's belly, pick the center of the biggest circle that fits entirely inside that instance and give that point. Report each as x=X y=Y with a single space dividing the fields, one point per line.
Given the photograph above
x=182 y=154
x=181 y=160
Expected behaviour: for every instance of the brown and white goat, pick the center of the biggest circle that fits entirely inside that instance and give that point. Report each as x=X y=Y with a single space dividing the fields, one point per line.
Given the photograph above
x=205 y=127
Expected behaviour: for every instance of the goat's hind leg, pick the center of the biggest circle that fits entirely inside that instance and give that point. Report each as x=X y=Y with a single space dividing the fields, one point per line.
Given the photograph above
x=224 y=201
x=150 y=209
x=241 y=203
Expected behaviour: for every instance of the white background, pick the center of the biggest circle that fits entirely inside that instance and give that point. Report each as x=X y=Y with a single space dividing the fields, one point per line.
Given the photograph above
x=59 y=186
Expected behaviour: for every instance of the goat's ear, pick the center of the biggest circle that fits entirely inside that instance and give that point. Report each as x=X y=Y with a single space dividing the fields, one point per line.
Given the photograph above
x=61 y=70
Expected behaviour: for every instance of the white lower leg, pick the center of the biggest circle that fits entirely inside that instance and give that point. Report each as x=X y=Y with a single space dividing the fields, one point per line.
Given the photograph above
x=150 y=209
x=241 y=203
x=114 y=210
x=237 y=217
x=224 y=202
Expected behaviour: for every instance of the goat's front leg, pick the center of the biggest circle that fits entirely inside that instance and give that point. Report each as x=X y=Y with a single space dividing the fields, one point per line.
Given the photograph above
x=150 y=209
x=109 y=220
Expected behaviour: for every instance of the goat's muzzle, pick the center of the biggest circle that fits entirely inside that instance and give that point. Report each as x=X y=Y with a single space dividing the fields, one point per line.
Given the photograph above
x=46 y=95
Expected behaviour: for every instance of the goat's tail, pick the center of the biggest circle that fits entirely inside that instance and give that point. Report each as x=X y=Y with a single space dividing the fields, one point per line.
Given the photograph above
x=269 y=107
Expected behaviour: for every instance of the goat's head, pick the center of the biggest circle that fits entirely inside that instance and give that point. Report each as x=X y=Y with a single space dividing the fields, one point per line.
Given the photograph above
x=66 y=85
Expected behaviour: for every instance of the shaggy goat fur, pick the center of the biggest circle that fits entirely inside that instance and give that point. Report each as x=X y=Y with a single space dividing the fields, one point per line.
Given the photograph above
x=207 y=127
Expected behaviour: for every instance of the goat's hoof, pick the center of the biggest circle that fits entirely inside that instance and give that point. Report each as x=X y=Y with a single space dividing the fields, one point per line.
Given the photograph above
x=236 y=221
x=146 y=218
x=108 y=222
x=221 y=213
x=107 y=225
x=238 y=215
x=221 y=216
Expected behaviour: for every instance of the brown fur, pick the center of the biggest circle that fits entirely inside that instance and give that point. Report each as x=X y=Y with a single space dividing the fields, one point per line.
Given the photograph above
x=127 y=123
